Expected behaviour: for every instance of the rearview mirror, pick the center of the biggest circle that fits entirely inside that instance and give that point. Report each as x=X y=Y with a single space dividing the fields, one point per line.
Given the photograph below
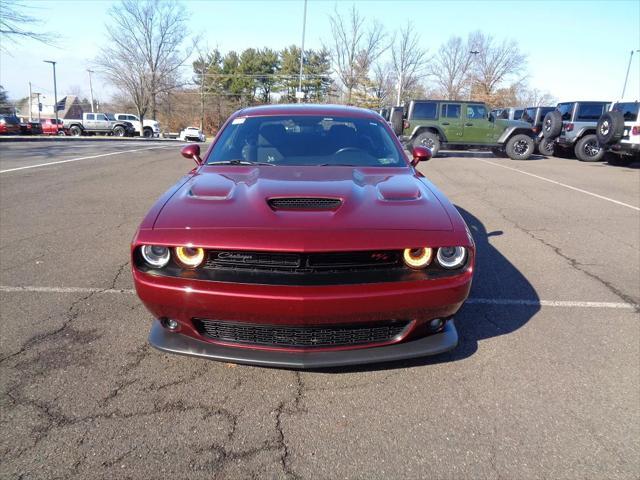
x=192 y=152
x=420 y=154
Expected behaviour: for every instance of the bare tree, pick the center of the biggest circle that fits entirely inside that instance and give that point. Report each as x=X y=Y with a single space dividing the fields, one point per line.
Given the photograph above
x=15 y=24
x=451 y=67
x=494 y=64
x=408 y=59
x=142 y=55
x=382 y=84
x=532 y=97
x=355 y=48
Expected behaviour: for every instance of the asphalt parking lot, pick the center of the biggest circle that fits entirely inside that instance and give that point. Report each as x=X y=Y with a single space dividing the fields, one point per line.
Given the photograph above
x=544 y=384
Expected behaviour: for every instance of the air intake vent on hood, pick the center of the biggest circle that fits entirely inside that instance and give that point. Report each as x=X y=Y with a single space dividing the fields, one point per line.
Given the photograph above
x=304 y=203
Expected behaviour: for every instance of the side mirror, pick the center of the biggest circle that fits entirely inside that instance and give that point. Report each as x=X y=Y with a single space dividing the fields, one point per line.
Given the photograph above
x=492 y=117
x=420 y=154
x=192 y=152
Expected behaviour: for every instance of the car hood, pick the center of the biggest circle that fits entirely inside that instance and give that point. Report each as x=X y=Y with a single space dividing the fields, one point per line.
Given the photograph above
x=238 y=197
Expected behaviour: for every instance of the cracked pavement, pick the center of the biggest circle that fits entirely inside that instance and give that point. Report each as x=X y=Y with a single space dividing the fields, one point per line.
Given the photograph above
x=530 y=392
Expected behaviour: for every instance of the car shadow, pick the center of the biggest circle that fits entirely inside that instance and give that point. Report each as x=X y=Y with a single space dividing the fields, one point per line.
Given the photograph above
x=481 y=154
x=495 y=278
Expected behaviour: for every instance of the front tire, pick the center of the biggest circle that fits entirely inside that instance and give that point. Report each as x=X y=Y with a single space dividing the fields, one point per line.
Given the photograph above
x=546 y=147
x=519 y=147
x=147 y=132
x=429 y=140
x=588 y=149
x=118 y=132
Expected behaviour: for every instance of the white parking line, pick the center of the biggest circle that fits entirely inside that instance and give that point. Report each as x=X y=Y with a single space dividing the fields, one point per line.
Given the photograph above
x=601 y=197
x=472 y=301
x=81 y=158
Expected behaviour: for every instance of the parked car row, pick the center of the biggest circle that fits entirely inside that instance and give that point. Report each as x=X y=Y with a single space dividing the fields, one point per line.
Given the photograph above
x=588 y=129
x=119 y=125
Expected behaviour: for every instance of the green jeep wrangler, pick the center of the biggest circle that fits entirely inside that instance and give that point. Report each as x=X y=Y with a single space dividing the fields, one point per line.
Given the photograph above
x=442 y=123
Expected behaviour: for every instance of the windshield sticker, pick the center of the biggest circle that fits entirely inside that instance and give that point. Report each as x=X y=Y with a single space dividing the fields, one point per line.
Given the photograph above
x=238 y=121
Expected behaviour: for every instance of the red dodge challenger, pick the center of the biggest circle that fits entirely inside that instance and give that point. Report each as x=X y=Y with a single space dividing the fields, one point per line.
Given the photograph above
x=303 y=238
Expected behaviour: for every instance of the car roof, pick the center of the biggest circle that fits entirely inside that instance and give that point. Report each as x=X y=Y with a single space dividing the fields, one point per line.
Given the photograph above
x=307 y=109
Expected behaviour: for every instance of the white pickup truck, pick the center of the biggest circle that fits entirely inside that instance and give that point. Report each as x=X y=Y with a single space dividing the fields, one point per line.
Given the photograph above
x=151 y=127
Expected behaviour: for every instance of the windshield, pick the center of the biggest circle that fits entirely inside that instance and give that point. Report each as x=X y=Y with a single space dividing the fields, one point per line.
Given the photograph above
x=565 y=109
x=629 y=110
x=110 y=117
x=307 y=140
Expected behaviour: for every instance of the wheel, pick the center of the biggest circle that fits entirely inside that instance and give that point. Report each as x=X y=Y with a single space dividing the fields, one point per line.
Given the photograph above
x=119 y=131
x=546 y=147
x=588 y=149
x=429 y=140
x=610 y=128
x=147 y=132
x=519 y=147
x=552 y=124
x=498 y=152
x=75 y=131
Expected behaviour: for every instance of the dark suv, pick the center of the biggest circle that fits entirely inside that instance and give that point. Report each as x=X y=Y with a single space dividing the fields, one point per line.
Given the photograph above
x=447 y=123
x=572 y=126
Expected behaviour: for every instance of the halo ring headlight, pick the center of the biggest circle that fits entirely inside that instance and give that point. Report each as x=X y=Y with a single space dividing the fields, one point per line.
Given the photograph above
x=155 y=255
x=451 y=257
x=417 y=257
x=190 y=256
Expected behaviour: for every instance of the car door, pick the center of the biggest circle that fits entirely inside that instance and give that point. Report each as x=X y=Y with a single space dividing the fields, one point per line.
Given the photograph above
x=451 y=121
x=90 y=122
x=477 y=127
x=102 y=122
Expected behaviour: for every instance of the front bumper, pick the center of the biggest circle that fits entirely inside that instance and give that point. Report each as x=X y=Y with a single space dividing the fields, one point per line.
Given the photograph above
x=170 y=342
x=302 y=306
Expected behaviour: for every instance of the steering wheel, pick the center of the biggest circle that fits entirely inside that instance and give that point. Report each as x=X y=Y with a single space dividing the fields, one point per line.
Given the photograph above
x=348 y=149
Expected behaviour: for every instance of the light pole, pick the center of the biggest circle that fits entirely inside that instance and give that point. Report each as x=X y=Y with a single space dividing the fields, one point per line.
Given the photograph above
x=90 y=88
x=474 y=53
x=628 y=68
x=304 y=26
x=30 y=102
x=38 y=94
x=55 y=89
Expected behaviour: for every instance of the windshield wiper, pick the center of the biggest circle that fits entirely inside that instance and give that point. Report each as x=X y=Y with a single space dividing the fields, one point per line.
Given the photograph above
x=240 y=162
x=336 y=165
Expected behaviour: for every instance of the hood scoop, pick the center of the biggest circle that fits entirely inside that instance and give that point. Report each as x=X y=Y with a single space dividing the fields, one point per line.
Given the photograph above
x=304 y=203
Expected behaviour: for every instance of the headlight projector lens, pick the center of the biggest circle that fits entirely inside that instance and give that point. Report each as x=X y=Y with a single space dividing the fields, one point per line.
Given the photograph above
x=417 y=257
x=190 y=256
x=451 y=257
x=155 y=255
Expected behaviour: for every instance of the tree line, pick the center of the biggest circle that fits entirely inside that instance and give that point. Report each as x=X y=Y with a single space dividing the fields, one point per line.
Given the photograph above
x=361 y=63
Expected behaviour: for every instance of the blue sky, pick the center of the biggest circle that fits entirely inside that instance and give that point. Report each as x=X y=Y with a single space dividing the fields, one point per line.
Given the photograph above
x=575 y=49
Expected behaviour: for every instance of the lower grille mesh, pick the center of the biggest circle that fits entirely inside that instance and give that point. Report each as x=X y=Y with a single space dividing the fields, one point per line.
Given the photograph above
x=286 y=336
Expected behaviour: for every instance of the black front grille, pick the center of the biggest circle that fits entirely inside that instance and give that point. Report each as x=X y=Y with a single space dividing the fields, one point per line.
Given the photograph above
x=287 y=336
x=302 y=262
x=304 y=203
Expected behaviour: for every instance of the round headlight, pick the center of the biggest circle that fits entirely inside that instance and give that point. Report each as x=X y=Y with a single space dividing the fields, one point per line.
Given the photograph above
x=417 y=257
x=190 y=256
x=155 y=255
x=451 y=257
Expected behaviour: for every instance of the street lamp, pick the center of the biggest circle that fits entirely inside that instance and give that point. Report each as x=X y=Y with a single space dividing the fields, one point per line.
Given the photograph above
x=627 y=76
x=55 y=89
x=299 y=93
x=474 y=53
x=90 y=88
